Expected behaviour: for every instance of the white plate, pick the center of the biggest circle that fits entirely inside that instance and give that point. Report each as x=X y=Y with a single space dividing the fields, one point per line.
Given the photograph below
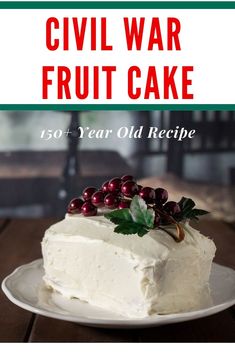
x=25 y=288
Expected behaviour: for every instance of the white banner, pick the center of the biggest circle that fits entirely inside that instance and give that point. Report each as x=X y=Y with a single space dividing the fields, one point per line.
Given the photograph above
x=117 y=56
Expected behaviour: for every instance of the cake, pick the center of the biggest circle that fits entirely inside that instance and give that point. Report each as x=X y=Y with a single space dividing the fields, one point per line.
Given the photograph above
x=134 y=276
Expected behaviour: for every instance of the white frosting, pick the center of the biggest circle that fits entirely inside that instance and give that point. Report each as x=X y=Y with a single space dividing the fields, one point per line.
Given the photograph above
x=130 y=275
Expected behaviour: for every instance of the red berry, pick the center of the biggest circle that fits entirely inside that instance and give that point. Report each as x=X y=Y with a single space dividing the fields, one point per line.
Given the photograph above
x=139 y=187
x=111 y=201
x=127 y=177
x=98 y=199
x=157 y=220
x=124 y=204
x=129 y=188
x=75 y=205
x=88 y=192
x=105 y=186
x=161 y=196
x=172 y=208
x=88 y=209
x=115 y=185
x=148 y=194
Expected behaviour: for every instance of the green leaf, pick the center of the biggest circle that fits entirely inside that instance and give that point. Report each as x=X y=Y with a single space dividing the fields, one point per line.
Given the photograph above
x=198 y=212
x=119 y=215
x=195 y=213
x=186 y=204
x=142 y=231
x=188 y=211
x=185 y=201
x=139 y=219
x=136 y=220
x=127 y=228
x=140 y=213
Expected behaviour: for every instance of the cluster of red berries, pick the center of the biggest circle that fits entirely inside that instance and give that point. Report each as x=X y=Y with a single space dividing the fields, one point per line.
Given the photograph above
x=117 y=193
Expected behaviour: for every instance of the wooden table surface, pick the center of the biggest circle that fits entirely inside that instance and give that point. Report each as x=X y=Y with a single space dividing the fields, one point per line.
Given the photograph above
x=20 y=243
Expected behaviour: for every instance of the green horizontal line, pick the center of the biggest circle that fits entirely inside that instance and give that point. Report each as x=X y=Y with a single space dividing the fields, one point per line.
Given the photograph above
x=82 y=107
x=117 y=5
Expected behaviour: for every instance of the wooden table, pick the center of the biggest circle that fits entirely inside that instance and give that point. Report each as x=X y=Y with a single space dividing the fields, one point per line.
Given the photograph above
x=20 y=243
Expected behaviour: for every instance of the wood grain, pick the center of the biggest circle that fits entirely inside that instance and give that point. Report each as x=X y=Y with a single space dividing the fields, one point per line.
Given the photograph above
x=216 y=328
x=224 y=238
x=19 y=244
x=3 y=224
x=50 y=330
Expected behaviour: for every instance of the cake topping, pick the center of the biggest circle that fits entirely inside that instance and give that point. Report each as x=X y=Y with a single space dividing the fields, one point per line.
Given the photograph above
x=161 y=196
x=115 y=185
x=129 y=188
x=75 y=205
x=97 y=199
x=105 y=187
x=127 y=177
x=111 y=201
x=88 y=192
x=136 y=209
x=172 y=208
x=148 y=194
x=88 y=209
x=138 y=219
x=124 y=204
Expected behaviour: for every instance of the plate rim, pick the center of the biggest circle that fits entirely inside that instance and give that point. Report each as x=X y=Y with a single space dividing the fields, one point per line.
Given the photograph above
x=154 y=320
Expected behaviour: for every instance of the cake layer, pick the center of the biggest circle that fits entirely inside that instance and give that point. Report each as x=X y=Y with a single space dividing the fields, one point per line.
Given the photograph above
x=133 y=276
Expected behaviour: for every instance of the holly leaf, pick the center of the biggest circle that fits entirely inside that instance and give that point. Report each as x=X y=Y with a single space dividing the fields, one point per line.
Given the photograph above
x=188 y=211
x=119 y=215
x=136 y=220
x=195 y=213
x=139 y=219
x=131 y=228
x=198 y=212
x=140 y=212
x=186 y=205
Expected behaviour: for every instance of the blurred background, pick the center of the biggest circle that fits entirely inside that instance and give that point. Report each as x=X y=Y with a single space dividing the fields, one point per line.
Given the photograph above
x=39 y=177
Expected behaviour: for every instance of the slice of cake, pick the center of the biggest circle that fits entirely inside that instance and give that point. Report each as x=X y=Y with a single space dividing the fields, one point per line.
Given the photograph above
x=163 y=267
